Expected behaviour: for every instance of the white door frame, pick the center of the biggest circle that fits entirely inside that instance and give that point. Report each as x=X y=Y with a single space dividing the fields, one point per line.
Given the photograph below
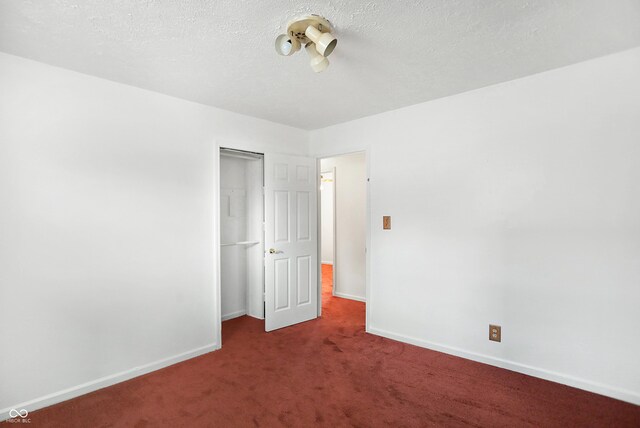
x=217 y=288
x=367 y=279
x=217 y=293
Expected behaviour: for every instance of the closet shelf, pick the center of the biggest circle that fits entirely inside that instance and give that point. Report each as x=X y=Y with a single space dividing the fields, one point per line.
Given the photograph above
x=240 y=243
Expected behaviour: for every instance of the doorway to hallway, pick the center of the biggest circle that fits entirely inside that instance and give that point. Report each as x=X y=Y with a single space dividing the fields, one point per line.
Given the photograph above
x=343 y=205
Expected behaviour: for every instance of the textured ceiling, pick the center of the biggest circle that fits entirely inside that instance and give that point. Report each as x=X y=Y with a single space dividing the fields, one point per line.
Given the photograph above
x=390 y=53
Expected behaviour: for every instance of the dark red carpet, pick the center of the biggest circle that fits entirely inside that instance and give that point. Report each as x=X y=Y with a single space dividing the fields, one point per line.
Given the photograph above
x=330 y=372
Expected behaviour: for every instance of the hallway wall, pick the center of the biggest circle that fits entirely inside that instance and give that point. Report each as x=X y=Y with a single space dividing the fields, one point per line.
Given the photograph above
x=326 y=217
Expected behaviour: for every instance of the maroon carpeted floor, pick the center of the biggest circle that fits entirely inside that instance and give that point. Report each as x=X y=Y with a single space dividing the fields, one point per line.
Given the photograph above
x=330 y=372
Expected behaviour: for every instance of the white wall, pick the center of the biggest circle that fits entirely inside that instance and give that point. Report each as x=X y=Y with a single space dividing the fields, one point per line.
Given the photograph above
x=516 y=204
x=350 y=186
x=326 y=215
x=106 y=228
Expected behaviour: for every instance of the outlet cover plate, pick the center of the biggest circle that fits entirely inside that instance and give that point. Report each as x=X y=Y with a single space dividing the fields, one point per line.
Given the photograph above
x=495 y=333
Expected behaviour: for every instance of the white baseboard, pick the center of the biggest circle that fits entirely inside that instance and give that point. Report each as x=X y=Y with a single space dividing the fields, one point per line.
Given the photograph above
x=103 y=382
x=327 y=263
x=233 y=315
x=587 y=385
x=349 y=296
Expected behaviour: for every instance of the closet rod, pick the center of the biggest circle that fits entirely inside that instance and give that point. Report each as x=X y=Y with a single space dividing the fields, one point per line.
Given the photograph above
x=240 y=243
x=240 y=153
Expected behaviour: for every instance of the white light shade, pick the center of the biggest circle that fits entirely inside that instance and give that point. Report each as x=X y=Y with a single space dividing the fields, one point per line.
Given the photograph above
x=318 y=63
x=325 y=42
x=286 y=45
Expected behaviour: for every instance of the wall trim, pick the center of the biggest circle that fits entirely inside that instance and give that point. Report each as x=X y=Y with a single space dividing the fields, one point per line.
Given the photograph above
x=349 y=296
x=103 y=382
x=576 y=382
x=233 y=315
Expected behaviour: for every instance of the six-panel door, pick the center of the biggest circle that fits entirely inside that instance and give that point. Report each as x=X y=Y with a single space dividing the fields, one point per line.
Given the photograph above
x=291 y=259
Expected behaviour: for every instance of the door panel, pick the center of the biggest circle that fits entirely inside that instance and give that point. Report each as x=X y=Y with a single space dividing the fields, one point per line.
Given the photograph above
x=291 y=267
x=304 y=232
x=304 y=279
x=281 y=283
x=281 y=216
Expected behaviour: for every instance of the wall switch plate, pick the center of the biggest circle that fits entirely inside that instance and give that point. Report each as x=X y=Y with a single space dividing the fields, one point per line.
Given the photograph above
x=495 y=333
x=386 y=222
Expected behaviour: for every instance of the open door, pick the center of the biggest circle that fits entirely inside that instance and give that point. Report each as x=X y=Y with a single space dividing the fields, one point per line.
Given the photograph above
x=291 y=242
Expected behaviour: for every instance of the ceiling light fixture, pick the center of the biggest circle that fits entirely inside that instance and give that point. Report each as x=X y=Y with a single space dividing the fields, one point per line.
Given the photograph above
x=286 y=45
x=317 y=62
x=315 y=33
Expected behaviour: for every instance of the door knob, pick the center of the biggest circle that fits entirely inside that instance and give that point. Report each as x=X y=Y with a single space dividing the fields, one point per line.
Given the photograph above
x=272 y=251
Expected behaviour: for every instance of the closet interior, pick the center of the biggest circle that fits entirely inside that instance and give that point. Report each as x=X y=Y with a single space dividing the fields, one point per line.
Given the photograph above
x=241 y=234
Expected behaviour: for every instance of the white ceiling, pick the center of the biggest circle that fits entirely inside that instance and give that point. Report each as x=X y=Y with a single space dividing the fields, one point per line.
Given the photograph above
x=390 y=53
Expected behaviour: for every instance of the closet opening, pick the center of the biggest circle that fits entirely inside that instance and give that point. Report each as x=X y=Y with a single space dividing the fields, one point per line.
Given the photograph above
x=241 y=234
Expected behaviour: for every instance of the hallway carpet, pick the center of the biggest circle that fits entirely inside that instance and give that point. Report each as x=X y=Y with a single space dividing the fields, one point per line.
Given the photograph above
x=329 y=372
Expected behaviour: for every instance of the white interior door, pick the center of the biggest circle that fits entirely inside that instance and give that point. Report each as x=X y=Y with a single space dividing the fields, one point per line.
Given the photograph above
x=291 y=242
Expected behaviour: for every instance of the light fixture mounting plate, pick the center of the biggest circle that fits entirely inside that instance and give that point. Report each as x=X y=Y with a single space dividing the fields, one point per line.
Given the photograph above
x=298 y=26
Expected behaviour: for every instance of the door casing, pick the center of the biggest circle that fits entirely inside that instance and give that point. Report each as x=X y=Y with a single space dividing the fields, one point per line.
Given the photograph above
x=367 y=279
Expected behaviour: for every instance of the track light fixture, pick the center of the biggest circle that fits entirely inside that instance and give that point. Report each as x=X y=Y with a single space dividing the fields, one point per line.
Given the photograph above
x=315 y=33
x=325 y=42
x=286 y=45
x=317 y=62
